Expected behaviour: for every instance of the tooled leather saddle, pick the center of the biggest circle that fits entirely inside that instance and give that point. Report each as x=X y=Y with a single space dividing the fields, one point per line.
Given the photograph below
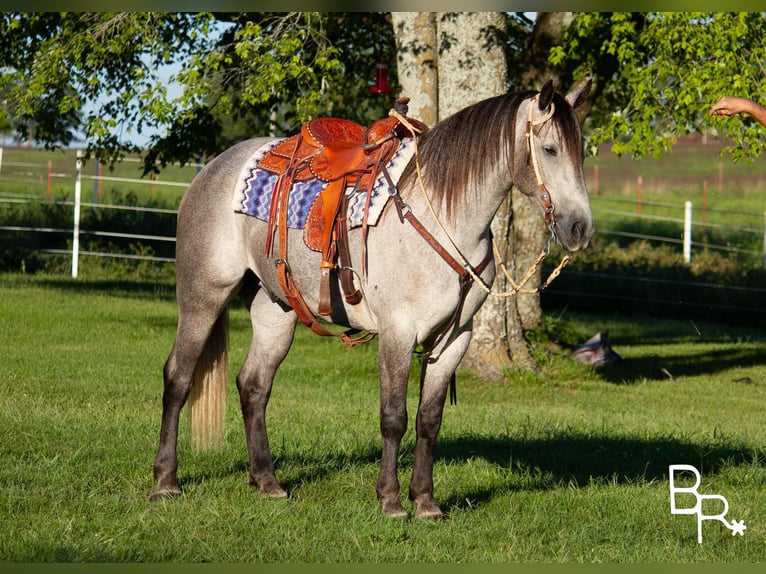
x=346 y=156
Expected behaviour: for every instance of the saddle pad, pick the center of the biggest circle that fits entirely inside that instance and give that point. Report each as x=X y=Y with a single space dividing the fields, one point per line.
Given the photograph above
x=255 y=187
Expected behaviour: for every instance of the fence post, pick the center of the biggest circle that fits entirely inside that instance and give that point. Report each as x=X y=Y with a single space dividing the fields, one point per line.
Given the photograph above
x=76 y=226
x=96 y=187
x=764 y=239
x=595 y=180
x=688 y=231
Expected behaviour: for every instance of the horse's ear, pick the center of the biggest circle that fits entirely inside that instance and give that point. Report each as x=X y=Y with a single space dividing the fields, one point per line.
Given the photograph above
x=579 y=93
x=546 y=96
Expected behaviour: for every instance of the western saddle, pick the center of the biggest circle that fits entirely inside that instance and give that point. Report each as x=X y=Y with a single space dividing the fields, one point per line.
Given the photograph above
x=345 y=155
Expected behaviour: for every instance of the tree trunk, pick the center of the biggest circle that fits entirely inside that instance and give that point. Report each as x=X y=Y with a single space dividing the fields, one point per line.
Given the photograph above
x=415 y=34
x=471 y=58
x=472 y=67
x=450 y=60
x=529 y=236
x=548 y=32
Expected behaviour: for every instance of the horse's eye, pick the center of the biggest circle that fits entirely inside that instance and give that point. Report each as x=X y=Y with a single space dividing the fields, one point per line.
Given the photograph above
x=550 y=150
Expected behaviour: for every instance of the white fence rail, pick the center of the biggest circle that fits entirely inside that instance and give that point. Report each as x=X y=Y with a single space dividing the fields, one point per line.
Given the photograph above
x=609 y=207
x=78 y=204
x=687 y=224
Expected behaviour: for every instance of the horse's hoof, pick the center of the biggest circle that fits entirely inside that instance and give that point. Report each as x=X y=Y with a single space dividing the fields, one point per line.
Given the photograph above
x=165 y=494
x=428 y=510
x=274 y=493
x=268 y=487
x=393 y=509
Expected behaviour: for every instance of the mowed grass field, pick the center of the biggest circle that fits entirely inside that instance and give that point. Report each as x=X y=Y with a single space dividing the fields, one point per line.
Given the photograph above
x=568 y=466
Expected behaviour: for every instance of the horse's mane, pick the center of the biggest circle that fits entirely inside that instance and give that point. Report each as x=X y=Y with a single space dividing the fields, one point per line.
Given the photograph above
x=458 y=151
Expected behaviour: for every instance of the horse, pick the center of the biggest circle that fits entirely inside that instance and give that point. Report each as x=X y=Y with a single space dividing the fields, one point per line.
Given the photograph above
x=424 y=258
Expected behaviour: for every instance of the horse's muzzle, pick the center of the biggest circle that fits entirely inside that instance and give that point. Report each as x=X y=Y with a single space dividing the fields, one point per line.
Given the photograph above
x=576 y=235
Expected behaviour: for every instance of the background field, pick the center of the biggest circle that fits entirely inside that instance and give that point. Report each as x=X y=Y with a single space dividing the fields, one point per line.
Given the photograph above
x=635 y=263
x=568 y=466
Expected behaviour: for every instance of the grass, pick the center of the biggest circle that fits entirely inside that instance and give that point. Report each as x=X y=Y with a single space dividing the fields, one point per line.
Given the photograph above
x=567 y=466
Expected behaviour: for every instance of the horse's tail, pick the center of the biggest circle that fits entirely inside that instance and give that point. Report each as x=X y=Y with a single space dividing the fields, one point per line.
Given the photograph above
x=207 y=402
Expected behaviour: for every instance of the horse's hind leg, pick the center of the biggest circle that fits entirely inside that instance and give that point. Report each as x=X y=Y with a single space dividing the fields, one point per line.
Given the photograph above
x=273 y=330
x=195 y=326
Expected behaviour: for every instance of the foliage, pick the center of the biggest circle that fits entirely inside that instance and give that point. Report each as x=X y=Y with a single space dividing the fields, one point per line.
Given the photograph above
x=99 y=72
x=661 y=72
x=239 y=74
x=100 y=69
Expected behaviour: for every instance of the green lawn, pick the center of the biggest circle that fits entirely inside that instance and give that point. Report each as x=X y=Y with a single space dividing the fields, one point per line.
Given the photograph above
x=568 y=466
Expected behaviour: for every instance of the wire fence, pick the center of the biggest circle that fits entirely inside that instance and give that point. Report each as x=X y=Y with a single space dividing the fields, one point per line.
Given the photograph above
x=680 y=224
x=691 y=222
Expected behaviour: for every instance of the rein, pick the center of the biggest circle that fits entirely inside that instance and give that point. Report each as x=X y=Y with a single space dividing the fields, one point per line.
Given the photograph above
x=548 y=215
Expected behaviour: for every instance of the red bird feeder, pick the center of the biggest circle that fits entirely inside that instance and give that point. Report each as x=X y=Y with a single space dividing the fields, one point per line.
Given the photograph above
x=381 y=79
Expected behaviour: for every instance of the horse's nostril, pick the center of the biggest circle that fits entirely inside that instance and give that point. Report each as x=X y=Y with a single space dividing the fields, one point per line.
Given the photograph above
x=577 y=231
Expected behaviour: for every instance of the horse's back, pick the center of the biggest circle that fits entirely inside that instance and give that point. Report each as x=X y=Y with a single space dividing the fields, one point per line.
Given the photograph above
x=209 y=237
x=214 y=185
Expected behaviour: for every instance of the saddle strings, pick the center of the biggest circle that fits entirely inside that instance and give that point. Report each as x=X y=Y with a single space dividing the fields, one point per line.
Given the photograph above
x=516 y=287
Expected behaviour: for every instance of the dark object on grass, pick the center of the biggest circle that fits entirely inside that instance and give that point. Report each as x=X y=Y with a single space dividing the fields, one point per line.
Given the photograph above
x=596 y=351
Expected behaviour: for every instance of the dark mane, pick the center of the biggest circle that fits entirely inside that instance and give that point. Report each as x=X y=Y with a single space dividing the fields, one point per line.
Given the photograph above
x=460 y=150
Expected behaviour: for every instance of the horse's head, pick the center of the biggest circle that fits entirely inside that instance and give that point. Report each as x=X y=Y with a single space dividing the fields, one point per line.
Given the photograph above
x=551 y=170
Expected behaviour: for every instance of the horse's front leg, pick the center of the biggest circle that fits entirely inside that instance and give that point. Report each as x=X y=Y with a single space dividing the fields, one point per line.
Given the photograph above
x=428 y=423
x=394 y=360
x=273 y=331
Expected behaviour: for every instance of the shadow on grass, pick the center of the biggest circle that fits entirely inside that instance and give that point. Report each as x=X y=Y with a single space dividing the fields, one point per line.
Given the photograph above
x=576 y=461
x=569 y=459
x=702 y=362
x=575 y=458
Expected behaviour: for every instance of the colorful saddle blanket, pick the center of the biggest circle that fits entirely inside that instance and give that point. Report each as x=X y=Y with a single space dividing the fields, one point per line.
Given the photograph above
x=255 y=189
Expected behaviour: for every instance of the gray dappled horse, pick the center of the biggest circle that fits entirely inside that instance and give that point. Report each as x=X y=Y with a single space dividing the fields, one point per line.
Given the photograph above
x=411 y=291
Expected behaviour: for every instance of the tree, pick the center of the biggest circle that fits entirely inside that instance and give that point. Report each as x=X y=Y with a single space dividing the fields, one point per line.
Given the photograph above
x=655 y=76
x=659 y=73
x=448 y=61
x=239 y=74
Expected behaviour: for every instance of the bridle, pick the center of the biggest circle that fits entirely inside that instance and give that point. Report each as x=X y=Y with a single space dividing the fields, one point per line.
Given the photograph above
x=545 y=197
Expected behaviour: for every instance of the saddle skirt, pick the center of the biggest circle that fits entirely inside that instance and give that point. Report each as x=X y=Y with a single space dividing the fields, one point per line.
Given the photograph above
x=255 y=187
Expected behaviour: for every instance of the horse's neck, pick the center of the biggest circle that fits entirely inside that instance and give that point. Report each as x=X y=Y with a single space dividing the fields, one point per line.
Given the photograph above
x=469 y=225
